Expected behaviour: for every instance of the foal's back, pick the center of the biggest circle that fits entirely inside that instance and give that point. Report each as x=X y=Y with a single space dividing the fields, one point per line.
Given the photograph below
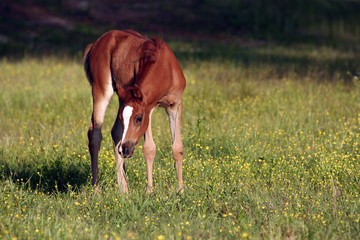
x=114 y=55
x=125 y=58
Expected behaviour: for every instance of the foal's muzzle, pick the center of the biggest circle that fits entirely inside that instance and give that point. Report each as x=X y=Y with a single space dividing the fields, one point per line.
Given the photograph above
x=126 y=149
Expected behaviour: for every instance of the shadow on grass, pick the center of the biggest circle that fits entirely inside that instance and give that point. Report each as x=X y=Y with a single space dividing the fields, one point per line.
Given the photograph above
x=46 y=173
x=328 y=60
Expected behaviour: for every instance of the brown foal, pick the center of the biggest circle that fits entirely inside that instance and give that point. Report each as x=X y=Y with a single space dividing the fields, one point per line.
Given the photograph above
x=145 y=74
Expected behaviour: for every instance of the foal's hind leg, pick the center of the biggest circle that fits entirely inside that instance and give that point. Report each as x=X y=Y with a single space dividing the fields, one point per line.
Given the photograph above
x=175 y=113
x=116 y=134
x=149 y=154
x=101 y=98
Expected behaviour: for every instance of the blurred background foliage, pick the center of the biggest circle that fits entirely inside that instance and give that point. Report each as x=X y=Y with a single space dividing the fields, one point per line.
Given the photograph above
x=67 y=26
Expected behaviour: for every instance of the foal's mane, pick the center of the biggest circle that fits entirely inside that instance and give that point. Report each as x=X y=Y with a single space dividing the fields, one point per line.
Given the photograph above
x=148 y=55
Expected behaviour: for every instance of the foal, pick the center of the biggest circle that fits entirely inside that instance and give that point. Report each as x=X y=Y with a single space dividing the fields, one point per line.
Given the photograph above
x=145 y=74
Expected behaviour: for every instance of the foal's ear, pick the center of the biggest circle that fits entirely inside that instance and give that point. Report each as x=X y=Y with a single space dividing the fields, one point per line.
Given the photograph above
x=120 y=90
x=136 y=92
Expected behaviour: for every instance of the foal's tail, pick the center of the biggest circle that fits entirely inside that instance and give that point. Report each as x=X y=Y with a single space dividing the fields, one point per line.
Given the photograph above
x=87 y=62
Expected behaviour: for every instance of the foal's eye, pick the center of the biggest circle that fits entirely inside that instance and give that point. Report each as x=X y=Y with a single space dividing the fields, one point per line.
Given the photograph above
x=138 y=119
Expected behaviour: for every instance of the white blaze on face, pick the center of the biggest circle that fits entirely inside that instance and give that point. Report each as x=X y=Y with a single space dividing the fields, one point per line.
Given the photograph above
x=127 y=112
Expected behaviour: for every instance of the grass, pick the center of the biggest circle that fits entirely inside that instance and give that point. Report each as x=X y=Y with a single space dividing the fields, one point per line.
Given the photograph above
x=271 y=151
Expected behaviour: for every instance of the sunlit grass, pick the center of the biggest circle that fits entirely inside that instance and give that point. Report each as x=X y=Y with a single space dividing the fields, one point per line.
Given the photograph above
x=267 y=155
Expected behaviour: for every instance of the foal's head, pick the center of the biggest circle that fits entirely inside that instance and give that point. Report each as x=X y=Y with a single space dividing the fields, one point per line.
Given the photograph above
x=134 y=116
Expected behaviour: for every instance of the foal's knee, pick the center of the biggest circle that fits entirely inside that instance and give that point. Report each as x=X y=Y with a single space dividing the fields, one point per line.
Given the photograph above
x=95 y=137
x=178 y=152
x=150 y=150
x=116 y=131
x=115 y=135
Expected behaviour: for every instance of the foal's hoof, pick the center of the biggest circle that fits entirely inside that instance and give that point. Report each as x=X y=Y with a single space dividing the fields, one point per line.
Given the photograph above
x=180 y=190
x=149 y=190
x=123 y=191
x=96 y=189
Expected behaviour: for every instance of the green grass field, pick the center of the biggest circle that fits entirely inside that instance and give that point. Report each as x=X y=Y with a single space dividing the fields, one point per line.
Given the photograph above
x=271 y=136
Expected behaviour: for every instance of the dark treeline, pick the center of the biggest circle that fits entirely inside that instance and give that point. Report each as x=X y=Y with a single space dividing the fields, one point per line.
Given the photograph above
x=33 y=26
x=271 y=18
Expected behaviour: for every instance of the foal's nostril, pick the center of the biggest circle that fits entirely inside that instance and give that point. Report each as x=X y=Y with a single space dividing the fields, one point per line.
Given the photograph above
x=126 y=150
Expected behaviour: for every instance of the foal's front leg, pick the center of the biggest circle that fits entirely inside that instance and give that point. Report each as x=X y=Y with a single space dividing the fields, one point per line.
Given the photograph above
x=149 y=154
x=116 y=134
x=175 y=114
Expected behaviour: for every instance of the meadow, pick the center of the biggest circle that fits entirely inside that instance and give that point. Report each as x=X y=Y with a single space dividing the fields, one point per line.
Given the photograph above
x=271 y=136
